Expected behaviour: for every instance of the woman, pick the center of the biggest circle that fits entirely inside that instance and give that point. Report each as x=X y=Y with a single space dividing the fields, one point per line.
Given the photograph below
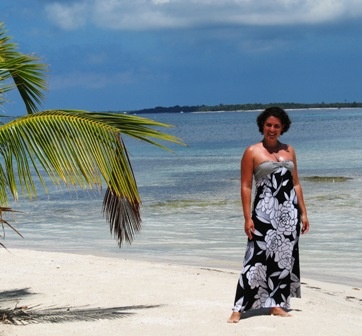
x=270 y=275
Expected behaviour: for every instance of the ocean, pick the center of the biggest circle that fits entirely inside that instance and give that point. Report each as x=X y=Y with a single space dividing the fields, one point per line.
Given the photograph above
x=191 y=201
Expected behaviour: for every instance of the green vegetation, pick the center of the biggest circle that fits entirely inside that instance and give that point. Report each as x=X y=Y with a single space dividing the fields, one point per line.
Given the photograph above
x=242 y=107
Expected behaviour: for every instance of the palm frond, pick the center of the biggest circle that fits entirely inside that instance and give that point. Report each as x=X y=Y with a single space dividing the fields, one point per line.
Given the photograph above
x=137 y=127
x=80 y=149
x=4 y=223
x=26 y=72
x=124 y=217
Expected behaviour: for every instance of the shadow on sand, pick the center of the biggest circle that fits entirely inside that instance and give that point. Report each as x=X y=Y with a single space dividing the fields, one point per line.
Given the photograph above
x=20 y=315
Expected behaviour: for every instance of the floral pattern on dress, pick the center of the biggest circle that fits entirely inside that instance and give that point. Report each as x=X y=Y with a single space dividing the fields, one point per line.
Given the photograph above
x=270 y=275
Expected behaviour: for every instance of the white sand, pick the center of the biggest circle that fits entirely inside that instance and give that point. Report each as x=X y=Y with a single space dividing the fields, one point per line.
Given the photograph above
x=157 y=299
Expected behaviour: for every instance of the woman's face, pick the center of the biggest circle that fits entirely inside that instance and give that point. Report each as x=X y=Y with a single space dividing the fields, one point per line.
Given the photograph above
x=272 y=128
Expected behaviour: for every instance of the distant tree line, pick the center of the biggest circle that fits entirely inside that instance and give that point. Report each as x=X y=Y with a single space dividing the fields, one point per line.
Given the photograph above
x=241 y=107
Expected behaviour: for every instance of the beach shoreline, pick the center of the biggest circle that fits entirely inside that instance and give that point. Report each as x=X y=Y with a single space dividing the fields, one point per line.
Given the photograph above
x=80 y=294
x=198 y=262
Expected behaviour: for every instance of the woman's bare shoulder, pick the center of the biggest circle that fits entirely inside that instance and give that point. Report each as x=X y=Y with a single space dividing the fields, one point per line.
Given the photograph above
x=288 y=148
x=253 y=147
x=251 y=151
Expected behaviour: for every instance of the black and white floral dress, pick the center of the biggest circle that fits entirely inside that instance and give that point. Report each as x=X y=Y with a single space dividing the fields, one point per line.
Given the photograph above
x=270 y=274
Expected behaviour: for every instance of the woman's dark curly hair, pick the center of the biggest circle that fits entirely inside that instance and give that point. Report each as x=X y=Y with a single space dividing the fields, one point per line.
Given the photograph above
x=276 y=112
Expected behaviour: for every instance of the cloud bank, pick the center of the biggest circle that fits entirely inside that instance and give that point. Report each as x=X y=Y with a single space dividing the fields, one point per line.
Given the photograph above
x=184 y=14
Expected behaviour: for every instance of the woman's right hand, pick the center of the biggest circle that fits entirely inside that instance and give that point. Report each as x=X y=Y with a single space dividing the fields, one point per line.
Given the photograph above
x=249 y=228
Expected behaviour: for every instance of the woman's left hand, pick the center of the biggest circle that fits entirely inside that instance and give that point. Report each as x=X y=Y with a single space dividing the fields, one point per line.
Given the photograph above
x=305 y=224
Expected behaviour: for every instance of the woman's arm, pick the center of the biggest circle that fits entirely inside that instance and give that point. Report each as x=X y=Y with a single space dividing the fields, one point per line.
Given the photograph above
x=246 y=172
x=299 y=193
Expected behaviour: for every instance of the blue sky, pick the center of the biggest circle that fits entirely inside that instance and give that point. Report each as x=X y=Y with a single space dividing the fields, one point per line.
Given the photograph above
x=109 y=55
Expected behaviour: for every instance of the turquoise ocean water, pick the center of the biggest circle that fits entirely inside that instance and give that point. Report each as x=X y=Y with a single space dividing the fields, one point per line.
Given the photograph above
x=191 y=206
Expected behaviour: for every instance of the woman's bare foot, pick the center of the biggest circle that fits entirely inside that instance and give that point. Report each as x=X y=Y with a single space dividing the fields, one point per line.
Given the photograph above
x=277 y=311
x=234 y=318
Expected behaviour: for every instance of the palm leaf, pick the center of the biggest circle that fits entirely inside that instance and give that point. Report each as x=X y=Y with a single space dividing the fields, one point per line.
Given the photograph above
x=24 y=72
x=123 y=216
x=79 y=149
x=4 y=223
x=137 y=127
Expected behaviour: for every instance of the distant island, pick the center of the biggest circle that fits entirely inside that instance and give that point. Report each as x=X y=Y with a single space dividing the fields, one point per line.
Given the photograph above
x=240 y=107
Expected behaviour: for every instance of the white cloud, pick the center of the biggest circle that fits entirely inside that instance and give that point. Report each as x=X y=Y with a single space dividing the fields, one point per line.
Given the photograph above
x=158 y=14
x=67 y=16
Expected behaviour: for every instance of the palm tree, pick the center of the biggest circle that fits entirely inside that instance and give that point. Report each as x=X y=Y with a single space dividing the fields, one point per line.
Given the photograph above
x=71 y=146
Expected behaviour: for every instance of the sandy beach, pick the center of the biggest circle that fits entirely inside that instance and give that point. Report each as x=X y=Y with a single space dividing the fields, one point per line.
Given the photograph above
x=57 y=294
